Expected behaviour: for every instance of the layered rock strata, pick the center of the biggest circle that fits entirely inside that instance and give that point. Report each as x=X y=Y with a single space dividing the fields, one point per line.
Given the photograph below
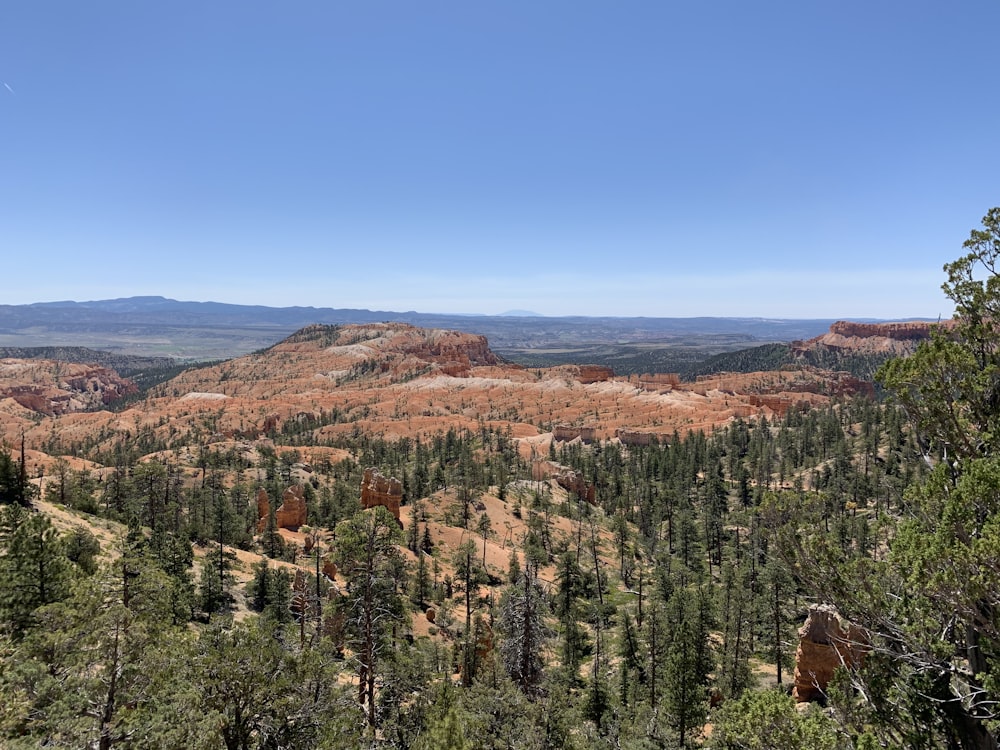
x=377 y=489
x=826 y=642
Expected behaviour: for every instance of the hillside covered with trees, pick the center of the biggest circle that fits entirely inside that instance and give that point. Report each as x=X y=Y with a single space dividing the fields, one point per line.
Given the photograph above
x=467 y=587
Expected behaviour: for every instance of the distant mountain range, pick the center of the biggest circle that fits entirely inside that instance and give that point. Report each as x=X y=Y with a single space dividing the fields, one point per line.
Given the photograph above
x=157 y=326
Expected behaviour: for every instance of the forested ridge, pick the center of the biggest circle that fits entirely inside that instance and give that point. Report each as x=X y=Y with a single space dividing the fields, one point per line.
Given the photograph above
x=779 y=356
x=653 y=605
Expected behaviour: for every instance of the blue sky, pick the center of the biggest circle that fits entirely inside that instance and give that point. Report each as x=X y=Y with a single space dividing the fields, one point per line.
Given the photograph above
x=778 y=159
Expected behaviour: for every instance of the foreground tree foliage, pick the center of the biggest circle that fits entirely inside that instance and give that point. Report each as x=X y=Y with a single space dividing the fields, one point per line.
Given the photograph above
x=34 y=568
x=932 y=606
x=107 y=668
x=259 y=693
x=769 y=720
x=99 y=668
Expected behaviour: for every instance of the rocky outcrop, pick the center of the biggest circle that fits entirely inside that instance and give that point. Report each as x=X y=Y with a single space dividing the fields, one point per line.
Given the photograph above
x=656 y=380
x=454 y=353
x=263 y=509
x=846 y=337
x=573 y=481
x=123 y=364
x=634 y=437
x=56 y=388
x=782 y=390
x=565 y=433
x=329 y=568
x=826 y=642
x=377 y=489
x=778 y=403
x=911 y=331
x=310 y=382
x=457 y=345
x=595 y=374
x=570 y=480
x=291 y=514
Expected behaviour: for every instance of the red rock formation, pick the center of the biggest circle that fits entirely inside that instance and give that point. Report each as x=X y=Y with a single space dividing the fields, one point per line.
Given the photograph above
x=574 y=482
x=361 y=378
x=659 y=380
x=377 y=489
x=782 y=390
x=453 y=352
x=565 y=432
x=291 y=514
x=595 y=374
x=456 y=345
x=778 y=403
x=565 y=477
x=263 y=509
x=55 y=388
x=912 y=331
x=633 y=437
x=871 y=338
x=826 y=642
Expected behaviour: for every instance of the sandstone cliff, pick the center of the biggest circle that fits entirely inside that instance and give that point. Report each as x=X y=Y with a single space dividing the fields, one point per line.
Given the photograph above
x=594 y=374
x=916 y=330
x=52 y=388
x=895 y=339
x=565 y=433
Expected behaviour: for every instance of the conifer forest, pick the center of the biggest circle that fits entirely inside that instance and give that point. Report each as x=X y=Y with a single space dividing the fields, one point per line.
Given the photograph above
x=657 y=599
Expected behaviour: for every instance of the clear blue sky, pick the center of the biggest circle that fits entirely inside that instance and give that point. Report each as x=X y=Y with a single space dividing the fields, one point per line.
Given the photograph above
x=781 y=159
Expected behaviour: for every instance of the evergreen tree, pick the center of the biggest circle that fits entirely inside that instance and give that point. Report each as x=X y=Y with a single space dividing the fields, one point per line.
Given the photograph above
x=10 y=483
x=444 y=725
x=774 y=613
x=82 y=547
x=243 y=676
x=175 y=557
x=373 y=607
x=769 y=720
x=484 y=527
x=34 y=568
x=105 y=669
x=216 y=580
x=270 y=592
x=687 y=665
x=737 y=612
x=421 y=583
x=523 y=633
